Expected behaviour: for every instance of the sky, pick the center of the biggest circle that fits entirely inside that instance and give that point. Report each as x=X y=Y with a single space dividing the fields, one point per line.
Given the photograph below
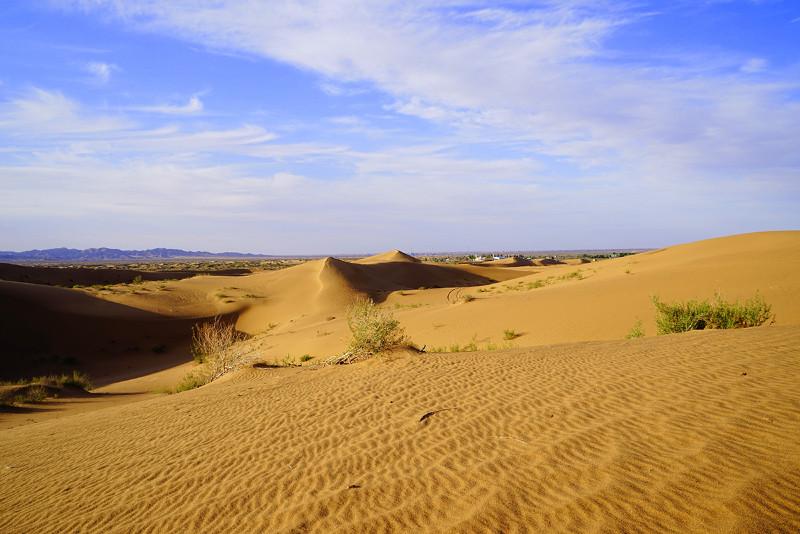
x=338 y=126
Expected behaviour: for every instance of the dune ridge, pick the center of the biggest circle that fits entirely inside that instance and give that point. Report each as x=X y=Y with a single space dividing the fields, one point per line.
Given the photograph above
x=688 y=433
x=301 y=309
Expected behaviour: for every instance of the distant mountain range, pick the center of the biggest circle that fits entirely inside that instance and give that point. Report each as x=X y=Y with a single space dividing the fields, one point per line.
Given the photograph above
x=107 y=254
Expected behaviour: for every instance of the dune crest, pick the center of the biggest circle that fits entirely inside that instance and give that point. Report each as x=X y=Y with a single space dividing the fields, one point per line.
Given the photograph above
x=390 y=256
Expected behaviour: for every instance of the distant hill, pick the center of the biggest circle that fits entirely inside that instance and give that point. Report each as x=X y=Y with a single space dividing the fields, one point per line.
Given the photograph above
x=106 y=254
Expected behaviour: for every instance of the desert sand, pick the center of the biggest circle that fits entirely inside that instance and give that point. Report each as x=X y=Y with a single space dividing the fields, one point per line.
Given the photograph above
x=566 y=427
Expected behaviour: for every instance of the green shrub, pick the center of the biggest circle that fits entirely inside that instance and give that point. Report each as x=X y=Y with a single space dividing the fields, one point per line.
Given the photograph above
x=191 y=381
x=637 y=330
x=23 y=395
x=76 y=379
x=39 y=388
x=699 y=315
x=373 y=330
x=508 y=335
x=306 y=357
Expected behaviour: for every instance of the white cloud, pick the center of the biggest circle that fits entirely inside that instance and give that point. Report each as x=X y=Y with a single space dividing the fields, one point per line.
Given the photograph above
x=571 y=130
x=755 y=64
x=40 y=111
x=539 y=71
x=101 y=72
x=194 y=105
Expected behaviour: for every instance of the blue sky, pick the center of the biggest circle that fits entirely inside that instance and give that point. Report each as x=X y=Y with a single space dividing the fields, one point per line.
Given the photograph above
x=343 y=126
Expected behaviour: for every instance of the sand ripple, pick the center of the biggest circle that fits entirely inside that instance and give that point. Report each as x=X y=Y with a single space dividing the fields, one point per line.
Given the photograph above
x=688 y=433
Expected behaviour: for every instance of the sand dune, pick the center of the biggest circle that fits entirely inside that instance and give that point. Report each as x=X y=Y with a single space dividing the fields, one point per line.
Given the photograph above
x=683 y=433
x=300 y=310
x=52 y=329
x=511 y=262
x=63 y=276
x=390 y=256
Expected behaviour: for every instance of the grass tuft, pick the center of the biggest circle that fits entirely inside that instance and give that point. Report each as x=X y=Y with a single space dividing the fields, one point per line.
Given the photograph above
x=509 y=334
x=637 y=330
x=699 y=315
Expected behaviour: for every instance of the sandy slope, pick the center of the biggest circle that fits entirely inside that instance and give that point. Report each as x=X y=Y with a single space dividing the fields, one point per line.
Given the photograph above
x=686 y=433
x=301 y=310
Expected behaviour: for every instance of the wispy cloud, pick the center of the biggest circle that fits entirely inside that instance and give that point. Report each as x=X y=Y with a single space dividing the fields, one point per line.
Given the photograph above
x=101 y=72
x=42 y=112
x=755 y=64
x=534 y=112
x=192 y=106
x=539 y=71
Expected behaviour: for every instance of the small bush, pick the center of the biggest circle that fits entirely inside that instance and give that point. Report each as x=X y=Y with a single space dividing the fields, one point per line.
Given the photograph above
x=215 y=345
x=699 y=315
x=467 y=298
x=637 y=330
x=306 y=357
x=76 y=379
x=137 y=279
x=213 y=337
x=374 y=330
x=577 y=275
x=508 y=335
x=470 y=347
x=24 y=395
x=191 y=381
x=39 y=388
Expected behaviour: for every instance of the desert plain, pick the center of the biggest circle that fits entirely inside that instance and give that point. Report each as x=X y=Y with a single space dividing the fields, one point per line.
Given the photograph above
x=522 y=403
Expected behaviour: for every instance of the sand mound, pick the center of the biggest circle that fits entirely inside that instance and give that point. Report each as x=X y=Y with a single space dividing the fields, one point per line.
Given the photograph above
x=685 y=433
x=391 y=256
x=85 y=276
x=511 y=262
x=375 y=278
x=604 y=299
x=544 y=262
x=51 y=329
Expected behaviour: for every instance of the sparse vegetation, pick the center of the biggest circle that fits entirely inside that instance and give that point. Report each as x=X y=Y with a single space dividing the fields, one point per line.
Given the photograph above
x=574 y=275
x=472 y=346
x=306 y=357
x=39 y=388
x=213 y=337
x=399 y=306
x=191 y=381
x=215 y=345
x=637 y=330
x=699 y=315
x=374 y=330
x=137 y=279
x=23 y=395
x=467 y=297
x=508 y=335
x=74 y=379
